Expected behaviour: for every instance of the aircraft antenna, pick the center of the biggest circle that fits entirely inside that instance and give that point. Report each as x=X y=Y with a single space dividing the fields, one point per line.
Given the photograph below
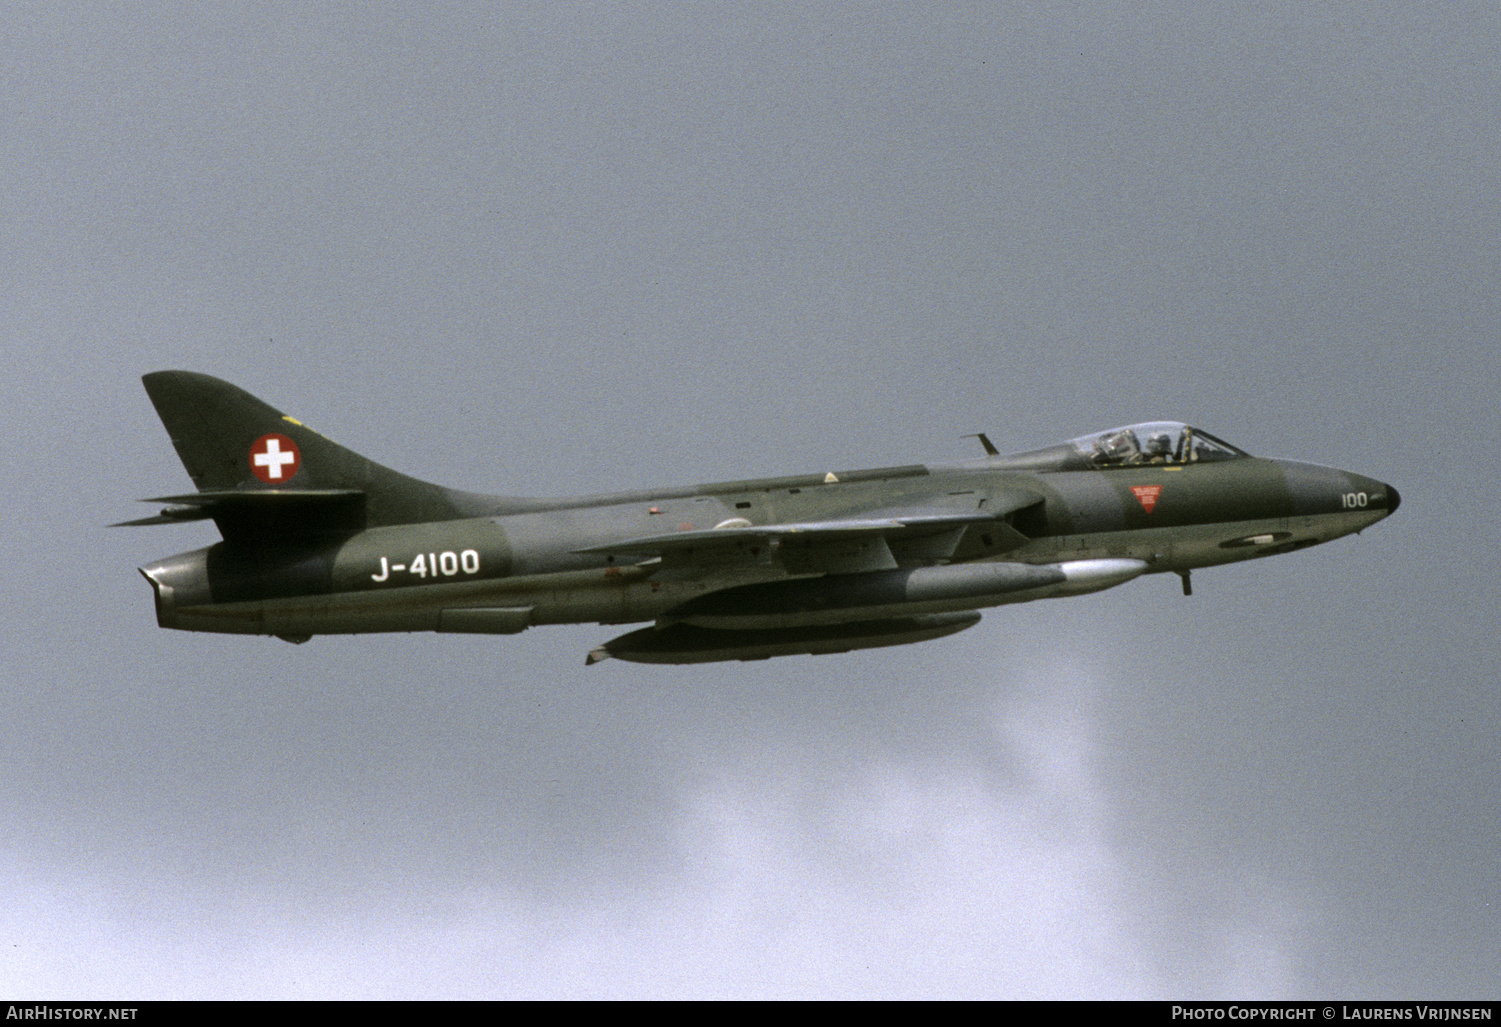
x=990 y=449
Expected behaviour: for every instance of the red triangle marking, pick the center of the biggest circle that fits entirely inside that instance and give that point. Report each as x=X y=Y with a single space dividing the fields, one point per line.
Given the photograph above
x=1147 y=494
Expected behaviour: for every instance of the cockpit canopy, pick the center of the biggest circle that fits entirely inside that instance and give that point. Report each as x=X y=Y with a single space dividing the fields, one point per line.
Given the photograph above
x=1152 y=442
x=1135 y=445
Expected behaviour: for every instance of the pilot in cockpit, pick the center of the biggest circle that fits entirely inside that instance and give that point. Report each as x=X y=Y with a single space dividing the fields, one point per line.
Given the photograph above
x=1159 y=449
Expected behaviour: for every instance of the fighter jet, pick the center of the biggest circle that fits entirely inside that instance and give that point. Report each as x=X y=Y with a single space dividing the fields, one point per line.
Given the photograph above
x=319 y=540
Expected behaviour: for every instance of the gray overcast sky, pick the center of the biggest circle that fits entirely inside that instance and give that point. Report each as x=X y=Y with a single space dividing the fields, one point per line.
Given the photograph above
x=546 y=249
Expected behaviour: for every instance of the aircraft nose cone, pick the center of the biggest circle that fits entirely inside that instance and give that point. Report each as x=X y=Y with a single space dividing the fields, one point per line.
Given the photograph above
x=1393 y=500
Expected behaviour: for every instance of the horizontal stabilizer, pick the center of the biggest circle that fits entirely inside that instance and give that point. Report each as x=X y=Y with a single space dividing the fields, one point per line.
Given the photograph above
x=197 y=506
x=172 y=515
x=286 y=512
x=250 y=499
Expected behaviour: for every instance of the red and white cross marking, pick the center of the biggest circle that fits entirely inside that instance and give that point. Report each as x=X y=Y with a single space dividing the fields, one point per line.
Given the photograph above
x=274 y=458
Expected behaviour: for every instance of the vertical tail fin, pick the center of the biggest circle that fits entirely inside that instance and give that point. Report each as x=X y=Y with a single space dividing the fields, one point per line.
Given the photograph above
x=231 y=441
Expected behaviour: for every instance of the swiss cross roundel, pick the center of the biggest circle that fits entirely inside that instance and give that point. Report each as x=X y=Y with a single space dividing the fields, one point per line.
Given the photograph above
x=274 y=459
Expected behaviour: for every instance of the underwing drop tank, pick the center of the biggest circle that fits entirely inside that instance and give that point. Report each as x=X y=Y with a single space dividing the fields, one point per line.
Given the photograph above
x=687 y=643
x=840 y=612
x=840 y=598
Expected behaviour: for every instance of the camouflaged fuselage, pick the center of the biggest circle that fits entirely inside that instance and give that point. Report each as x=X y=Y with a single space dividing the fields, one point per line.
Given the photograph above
x=743 y=569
